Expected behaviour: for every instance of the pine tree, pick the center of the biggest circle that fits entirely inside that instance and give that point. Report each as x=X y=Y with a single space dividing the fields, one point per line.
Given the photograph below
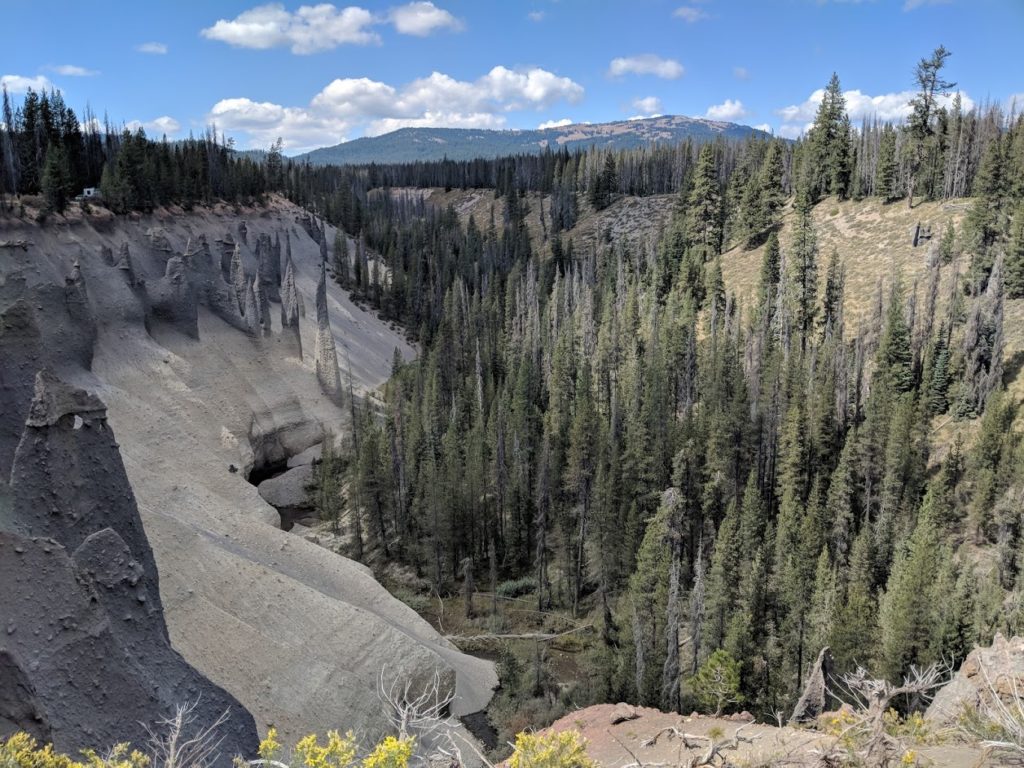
x=908 y=606
x=886 y=181
x=920 y=129
x=829 y=145
x=704 y=206
x=56 y=178
x=803 y=266
x=1014 y=263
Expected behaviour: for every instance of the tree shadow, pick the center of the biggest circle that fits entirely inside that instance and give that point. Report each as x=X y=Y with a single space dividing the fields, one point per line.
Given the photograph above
x=1012 y=367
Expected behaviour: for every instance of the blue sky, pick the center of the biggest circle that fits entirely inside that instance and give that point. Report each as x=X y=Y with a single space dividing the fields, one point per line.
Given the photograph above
x=318 y=74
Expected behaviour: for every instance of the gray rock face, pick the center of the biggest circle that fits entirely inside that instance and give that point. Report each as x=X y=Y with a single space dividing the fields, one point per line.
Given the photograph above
x=327 y=372
x=259 y=289
x=814 y=699
x=174 y=298
x=86 y=646
x=238 y=280
x=211 y=289
x=124 y=263
x=252 y=310
x=291 y=302
x=986 y=674
x=268 y=267
x=42 y=325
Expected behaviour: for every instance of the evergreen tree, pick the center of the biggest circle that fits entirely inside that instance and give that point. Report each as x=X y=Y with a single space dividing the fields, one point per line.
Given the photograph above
x=56 y=179
x=704 y=206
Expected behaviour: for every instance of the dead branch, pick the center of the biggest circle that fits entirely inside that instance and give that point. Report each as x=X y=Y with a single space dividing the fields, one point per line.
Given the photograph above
x=539 y=636
x=871 y=699
x=23 y=244
x=174 y=747
x=674 y=733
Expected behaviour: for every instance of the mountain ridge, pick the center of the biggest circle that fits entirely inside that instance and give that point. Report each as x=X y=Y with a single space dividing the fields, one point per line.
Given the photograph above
x=426 y=144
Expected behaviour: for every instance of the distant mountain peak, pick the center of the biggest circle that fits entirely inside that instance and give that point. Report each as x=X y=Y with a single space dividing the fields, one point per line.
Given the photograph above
x=423 y=144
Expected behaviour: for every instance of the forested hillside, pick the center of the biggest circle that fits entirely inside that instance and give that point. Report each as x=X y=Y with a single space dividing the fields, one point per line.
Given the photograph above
x=408 y=145
x=718 y=484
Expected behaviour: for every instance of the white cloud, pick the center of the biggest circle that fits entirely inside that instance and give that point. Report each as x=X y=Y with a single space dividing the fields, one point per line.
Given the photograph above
x=792 y=131
x=1015 y=103
x=20 y=83
x=555 y=124
x=741 y=73
x=646 y=64
x=346 y=104
x=70 y=70
x=536 y=15
x=422 y=18
x=690 y=14
x=730 y=109
x=436 y=120
x=157 y=126
x=893 y=107
x=647 y=105
x=309 y=29
x=764 y=127
x=157 y=49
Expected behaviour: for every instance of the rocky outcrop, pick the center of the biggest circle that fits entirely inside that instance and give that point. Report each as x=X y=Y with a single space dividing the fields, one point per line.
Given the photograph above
x=252 y=310
x=238 y=281
x=290 y=494
x=124 y=263
x=268 y=267
x=291 y=302
x=211 y=289
x=814 y=699
x=986 y=674
x=327 y=372
x=173 y=299
x=259 y=289
x=86 y=644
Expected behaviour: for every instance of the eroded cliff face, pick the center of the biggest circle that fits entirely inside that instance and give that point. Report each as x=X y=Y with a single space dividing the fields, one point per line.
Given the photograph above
x=195 y=388
x=85 y=646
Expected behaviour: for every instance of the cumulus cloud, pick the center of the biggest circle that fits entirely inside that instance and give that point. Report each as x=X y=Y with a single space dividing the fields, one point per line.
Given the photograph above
x=689 y=14
x=309 y=29
x=154 y=48
x=797 y=118
x=536 y=15
x=20 y=83
x=346 y=104
x=555 y=124
x=70 y=70
x=157 y=126
x=422 y=19
x=646 y=64
x=648 y=105
x=730 y=109
x=764 y=127
x=321 y=27
x=741 y=73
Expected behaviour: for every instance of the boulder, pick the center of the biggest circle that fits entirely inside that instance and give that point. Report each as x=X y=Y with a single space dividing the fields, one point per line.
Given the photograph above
x=986 y=673
x=289 y=489
x=311 y=455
